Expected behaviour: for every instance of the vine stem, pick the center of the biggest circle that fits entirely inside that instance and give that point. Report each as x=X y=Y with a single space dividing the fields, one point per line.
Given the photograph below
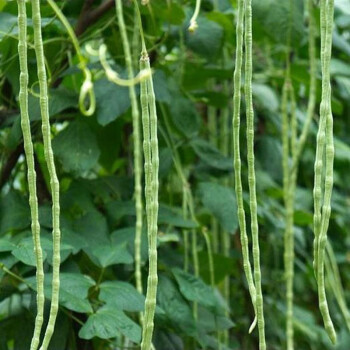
x=137 y=146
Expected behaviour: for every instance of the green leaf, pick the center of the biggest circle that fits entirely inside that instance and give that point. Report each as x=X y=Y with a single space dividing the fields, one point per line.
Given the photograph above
x=110 y=255
x=14 y=212
x=177 y=311
x=24 y=250
x=275 y=18
x=59 y=100
x=6 y=245
x=221 y=202
x=109 y=322
x=169 y=11
x=74 y=289
x=211 y=155
x=165 y=161
x=194 y=289
x=93 y=228
x=207 y=39
x=303 y=218
x=209 y=322
x=76 y=147
x=121 y=295
x=269 y=154
x=8 y=24
x=266 y=97
x=127 y=235
x=118 y=209
x=184 y=116
x=223 y=266
x=342 y=150
x=161 y=90
x=111 y=101
x=172 y=216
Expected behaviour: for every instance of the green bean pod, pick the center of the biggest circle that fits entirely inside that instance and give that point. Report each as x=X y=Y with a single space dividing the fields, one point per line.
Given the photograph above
x=236 y=152
x=31 y=175
x=49 y=157
x=324 y=139
x=151 y=190
x=251 y=172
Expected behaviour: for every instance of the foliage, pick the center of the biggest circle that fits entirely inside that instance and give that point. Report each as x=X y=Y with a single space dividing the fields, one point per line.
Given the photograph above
x=99 y=305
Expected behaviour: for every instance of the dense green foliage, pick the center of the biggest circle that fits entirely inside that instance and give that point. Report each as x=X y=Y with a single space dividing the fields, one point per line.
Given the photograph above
x=203 y=299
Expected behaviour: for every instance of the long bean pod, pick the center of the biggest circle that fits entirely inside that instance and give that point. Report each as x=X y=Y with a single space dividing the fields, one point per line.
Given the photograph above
x=325 y=139
x=236 y=151
x=251 y=171
x=31 y=175
x=49 y=157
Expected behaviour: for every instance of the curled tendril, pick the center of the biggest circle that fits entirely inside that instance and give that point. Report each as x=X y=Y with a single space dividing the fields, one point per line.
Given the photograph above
x=113 y=75
x=87 y=93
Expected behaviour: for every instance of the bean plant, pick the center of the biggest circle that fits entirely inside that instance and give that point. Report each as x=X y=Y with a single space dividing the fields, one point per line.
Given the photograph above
x=173 y=174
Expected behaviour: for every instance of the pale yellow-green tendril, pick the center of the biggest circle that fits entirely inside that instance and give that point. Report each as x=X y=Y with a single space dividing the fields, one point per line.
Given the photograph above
x=193 y=21
x=87 y=88
x=114 y=77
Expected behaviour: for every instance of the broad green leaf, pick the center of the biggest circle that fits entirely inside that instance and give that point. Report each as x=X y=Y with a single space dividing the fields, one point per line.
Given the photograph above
x=111 y=254
x=221 y=202
x=184 y=116
x=269 y=154
x=118 y=209
x=165 y=161
x=172 y=216
x=169 y=341
x=111 y=101
x=207 y=39
x=6 y=245
x=8 y=24
x=194 y=289
x=161 y=90
x=170 y=12
x=223 y=266
x=109 y=322
x=93 y=228
x=59 y=100
x=211 y=155
x=76 y=147
x=122 y=295
x=209 y=322
x=24 y=250
x=339 y=67
x=342 y=150
x=177 y=311
x=74 y=289
x=265 y=96
x=14 y=212
x=275 y=18
x=127 y=235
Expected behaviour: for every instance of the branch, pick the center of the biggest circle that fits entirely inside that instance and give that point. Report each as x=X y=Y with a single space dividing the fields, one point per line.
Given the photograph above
x=87 y=17
x=10 y=164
